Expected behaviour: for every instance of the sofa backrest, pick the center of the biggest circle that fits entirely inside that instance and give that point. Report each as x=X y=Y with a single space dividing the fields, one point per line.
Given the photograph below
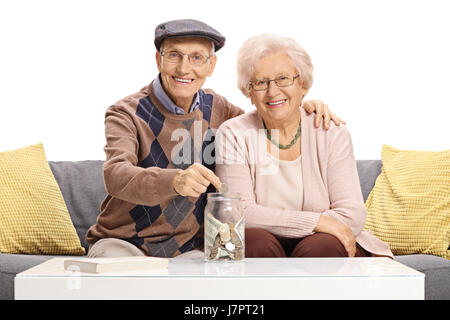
x=81 y=184
x=368 y=171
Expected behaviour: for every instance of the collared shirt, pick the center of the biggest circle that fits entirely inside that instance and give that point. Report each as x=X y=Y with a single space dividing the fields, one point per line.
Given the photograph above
x=162 y=96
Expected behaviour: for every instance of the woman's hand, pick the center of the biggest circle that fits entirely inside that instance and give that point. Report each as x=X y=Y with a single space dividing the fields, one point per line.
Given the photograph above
x=193 y=181
x=321 y=111
x=340 y=231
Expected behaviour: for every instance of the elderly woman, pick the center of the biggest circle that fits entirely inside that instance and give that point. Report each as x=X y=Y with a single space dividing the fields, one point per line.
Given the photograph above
x=299 y=184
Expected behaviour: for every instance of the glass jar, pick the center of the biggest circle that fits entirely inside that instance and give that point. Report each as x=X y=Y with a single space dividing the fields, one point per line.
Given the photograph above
x=224 y=227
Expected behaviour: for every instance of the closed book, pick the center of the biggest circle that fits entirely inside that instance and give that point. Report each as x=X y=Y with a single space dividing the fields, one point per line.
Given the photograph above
x=100 y=265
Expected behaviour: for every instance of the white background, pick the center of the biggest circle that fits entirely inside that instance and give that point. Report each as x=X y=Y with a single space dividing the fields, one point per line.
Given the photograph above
x=383 y=66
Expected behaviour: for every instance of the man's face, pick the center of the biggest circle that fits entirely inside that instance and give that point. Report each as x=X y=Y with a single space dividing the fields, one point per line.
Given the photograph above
x=181 y=80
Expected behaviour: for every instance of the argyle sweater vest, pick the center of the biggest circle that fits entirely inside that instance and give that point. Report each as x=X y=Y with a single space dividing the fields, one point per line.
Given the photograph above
x=146 y=145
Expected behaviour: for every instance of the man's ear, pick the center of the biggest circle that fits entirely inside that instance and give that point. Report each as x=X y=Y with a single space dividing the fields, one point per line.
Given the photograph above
x=158 y=60
x=212 y=65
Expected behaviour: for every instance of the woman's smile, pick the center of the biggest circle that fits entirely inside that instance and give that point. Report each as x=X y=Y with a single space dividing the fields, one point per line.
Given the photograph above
x=274 y=104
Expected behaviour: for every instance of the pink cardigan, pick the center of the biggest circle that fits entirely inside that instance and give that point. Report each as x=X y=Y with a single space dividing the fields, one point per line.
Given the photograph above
x=330 y=179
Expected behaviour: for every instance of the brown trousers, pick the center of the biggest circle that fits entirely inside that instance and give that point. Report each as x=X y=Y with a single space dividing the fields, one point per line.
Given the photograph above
x=260 y=243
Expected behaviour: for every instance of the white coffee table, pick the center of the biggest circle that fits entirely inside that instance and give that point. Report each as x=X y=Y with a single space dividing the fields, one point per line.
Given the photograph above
x=253 y=278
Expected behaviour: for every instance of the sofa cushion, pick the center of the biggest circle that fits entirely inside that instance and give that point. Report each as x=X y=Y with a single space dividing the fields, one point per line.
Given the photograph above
x=12 y=264
x=409 y=207
x=437 y=274
x=33 y=215
x=81 y=183
x=436 y=269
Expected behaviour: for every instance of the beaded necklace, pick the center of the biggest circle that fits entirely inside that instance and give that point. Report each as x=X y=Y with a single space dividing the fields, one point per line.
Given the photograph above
x=282 y=146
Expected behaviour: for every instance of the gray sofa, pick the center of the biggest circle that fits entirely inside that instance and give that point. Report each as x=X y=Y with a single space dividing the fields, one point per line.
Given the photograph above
x=81 y=183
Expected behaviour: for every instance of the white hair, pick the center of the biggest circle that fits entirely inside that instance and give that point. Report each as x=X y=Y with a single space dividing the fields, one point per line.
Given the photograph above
x=258 y=47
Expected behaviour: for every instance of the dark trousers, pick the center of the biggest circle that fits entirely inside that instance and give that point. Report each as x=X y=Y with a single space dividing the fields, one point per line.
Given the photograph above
x=260 y=243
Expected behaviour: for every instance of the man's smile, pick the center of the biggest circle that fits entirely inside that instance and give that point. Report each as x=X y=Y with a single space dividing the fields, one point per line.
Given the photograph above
x=182 y=80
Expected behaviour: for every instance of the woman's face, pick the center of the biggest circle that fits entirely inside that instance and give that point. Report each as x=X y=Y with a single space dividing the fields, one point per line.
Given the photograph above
x=277 y=104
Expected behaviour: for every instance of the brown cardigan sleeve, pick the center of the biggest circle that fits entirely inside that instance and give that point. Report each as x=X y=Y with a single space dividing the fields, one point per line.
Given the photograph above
x=123 y=178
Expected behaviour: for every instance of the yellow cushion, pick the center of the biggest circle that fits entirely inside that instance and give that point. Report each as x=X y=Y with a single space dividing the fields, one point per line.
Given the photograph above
x=409 y=206
x=33 y=215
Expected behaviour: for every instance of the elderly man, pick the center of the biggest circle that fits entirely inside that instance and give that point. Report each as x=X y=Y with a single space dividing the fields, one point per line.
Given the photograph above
x=160 y=150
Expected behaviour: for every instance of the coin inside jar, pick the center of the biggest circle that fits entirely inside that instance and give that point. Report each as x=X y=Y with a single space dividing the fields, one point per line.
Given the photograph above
x=224 y=232
x=230 y=246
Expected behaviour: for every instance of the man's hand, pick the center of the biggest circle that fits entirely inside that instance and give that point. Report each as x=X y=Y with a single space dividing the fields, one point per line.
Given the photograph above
x=321 y=110
x=193 y=181
x=340 y=231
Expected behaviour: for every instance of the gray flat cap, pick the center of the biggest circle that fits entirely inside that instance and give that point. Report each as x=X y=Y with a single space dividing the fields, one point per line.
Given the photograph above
x=187 y=28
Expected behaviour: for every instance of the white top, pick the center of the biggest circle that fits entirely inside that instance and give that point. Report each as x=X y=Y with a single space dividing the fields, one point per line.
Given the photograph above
x=285 y=187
